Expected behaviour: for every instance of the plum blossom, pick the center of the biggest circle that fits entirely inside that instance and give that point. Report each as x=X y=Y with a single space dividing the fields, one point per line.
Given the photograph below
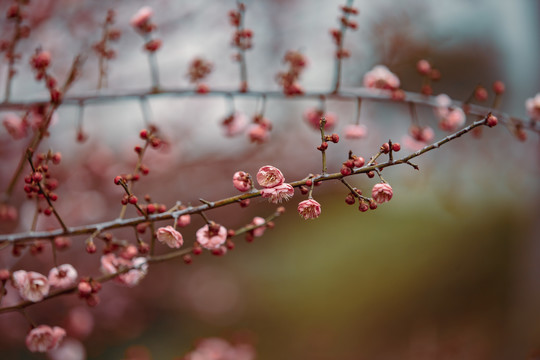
x=533 y=107
x=211 y=236
x=355 y=131
x=313 y=117
x=269 y=176
x=32 y=286
x=141 y=19
x=44 y=338
x=259 y=231
x=183 y=220
x=381 y=78
x=278 y=193
x=381 y=193
x=170 y=236
x=15 y=126
x=450 y=118
x=309 y=209
x=258 y=133
x=70 y=348
x=419 y=137
x=63 y=276
x=110 y=264
x=234 y=124
x=219 y=349
x=242 y=181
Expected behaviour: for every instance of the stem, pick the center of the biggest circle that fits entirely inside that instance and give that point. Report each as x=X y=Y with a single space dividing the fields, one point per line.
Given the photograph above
x=152 y=63
x=358 y=109
x=11 y=57
x=241 y=50
x=47 y=198
x=353 y=191
x=322 y=124
x=154 y=72
x=337 y=60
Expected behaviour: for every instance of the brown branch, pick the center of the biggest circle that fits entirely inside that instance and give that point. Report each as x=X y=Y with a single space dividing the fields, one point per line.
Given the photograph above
x=119 y=223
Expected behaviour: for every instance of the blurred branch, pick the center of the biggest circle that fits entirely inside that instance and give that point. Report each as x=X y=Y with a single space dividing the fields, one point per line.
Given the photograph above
x=352 y=94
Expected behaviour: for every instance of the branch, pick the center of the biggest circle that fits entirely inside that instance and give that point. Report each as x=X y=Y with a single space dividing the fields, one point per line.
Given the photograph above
x=120 y=223
x=352 y=94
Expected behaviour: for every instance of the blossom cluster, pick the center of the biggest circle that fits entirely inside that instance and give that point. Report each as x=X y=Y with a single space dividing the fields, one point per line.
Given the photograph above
x=142 y=23
x=288 y=80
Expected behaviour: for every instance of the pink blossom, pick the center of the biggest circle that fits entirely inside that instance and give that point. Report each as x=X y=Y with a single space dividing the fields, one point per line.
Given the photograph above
x=36 y=118
x=313 y=118
x=354 y=131
x=211 y=237
x=234 y=124
x=419 y=137
x=32 y=286
x=412 y=144
x=381 y=78
x=63 y=276
x=278 y=193
x=450 y=118
x=183 y=220
x=110 y=264
x=309 y=209
x=142 y=17
x=44 y=338
x=80 y=321
x=258 y=133
x=423 y=67
x=533 y=107
x=70 y=348
x=219 y=349
x=135 y=275
x=170 y=236
x=424 y=134
x=15 y=126
x=381 y=193
x=259 y=231
x=269 y=176
x=242 y=181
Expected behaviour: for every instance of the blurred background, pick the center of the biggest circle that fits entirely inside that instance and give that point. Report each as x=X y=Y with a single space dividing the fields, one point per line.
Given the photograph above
x=447 y=270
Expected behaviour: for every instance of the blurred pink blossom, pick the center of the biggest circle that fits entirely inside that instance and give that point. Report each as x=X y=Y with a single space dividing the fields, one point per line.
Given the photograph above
x=354 y=131
x=450 y=118
x=533 y=107
x=44 y=338
x=258 y=133
x=110 y=264
x=219 y=349
x=32 y=286
x=235 y=124
x=15 y=126
x=211 y=237
x=63 y=276
x=141 y=17
x=313 y=117
x=183 y=220
x=260 y=230
x=381 y=78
